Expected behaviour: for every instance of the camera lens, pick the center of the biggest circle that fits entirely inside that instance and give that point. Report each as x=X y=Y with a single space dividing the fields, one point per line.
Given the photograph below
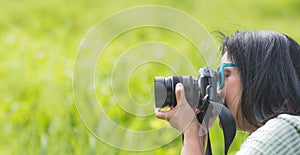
x=164 y=90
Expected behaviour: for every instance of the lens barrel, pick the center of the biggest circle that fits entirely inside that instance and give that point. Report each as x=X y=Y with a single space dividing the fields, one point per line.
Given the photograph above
x=164 y=90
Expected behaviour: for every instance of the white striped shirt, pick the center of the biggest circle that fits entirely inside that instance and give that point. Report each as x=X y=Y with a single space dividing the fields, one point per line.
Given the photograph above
x=280 y=136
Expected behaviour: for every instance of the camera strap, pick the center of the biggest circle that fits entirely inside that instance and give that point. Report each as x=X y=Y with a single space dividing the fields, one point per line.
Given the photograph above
x=228 y=126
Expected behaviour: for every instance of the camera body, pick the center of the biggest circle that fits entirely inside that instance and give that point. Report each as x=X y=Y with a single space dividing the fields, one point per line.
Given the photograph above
x=196 y=89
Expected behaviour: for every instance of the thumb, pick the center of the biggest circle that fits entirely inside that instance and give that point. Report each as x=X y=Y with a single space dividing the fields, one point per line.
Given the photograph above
x=179 y=90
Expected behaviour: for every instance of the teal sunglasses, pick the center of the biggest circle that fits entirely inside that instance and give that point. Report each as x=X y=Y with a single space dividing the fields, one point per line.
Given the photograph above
x=221 y=74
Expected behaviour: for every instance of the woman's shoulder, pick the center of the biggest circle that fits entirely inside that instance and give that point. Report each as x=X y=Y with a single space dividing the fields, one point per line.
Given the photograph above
x=280 y=135
x=292 y=120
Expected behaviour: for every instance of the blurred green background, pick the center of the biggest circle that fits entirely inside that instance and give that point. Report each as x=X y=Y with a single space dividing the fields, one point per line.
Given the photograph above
x=39 y=41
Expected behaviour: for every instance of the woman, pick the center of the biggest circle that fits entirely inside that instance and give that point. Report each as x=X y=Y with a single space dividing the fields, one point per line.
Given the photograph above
x=261 y=86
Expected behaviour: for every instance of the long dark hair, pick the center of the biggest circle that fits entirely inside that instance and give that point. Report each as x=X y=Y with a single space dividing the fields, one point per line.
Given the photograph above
x=269 y=66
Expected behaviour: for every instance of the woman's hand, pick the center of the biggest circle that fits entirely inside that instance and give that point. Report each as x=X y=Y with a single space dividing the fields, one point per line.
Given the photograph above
x=183 y=118
x=181 y=115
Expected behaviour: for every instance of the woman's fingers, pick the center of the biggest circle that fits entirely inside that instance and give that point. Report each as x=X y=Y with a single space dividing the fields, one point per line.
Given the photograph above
x=179 y=91
x=179 y=116
x=160 y=114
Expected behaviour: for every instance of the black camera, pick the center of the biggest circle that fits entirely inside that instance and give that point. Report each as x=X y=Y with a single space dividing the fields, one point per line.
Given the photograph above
x=196 y=89
x=200 y=93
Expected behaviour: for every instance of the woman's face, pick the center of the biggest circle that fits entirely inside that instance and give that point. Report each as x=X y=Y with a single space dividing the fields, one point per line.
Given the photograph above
x=232 y=90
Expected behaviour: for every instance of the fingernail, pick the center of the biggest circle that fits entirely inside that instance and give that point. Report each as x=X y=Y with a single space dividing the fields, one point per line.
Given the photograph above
x=178 y=85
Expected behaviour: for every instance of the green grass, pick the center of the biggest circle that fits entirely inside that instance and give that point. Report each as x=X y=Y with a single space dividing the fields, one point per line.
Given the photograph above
x=39 y=42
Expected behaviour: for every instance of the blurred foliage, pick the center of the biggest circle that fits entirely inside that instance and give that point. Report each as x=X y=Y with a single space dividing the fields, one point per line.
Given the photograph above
x=39 y=41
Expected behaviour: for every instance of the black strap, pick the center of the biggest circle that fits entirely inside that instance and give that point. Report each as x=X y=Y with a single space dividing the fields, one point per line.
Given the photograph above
x=228 y=126
x=208 y=147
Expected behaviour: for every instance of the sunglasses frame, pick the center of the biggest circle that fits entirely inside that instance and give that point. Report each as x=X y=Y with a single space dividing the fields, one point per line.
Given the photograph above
x=221 y=74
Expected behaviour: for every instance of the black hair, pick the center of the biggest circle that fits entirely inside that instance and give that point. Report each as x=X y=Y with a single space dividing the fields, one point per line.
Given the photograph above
x=269 y=67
